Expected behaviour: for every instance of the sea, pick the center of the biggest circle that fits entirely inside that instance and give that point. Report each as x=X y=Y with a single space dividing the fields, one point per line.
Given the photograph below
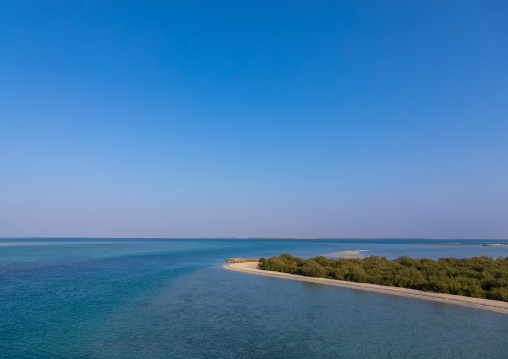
x=171 y=298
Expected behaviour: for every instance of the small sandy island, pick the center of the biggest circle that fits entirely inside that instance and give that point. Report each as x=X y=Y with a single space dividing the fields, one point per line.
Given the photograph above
x=348 y=254
x=485 y=304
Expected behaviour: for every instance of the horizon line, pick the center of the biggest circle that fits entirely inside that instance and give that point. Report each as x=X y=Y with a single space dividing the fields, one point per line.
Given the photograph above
x=248 y=237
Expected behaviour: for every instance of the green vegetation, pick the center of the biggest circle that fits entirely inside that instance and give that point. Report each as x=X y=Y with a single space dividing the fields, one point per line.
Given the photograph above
x=479 y=277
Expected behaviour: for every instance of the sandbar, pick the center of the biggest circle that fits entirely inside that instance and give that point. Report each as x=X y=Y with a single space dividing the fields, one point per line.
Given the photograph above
x=477 y=303
x=348 y=254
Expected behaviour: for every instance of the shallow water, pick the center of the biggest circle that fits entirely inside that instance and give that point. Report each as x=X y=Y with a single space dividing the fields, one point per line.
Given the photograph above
x=132 y=298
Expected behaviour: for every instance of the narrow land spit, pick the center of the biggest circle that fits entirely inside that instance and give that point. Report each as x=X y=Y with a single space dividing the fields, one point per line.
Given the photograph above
x=252 y=267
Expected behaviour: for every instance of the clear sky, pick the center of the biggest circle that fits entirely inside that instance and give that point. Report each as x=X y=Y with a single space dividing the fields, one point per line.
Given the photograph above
x=254 y=118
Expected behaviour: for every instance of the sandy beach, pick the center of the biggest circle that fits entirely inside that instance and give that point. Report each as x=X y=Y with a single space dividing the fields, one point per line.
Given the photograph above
x=485 y=304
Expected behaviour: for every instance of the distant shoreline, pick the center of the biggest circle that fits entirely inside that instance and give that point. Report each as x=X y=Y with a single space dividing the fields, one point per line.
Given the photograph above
x=464 y=244
x=477 y=303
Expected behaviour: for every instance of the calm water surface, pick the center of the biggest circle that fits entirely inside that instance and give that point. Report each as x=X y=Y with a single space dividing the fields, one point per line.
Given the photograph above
x=140 y=298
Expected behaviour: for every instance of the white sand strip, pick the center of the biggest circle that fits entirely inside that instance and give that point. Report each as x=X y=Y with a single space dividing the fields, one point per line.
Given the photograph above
x=348 y=254
x=485 y=304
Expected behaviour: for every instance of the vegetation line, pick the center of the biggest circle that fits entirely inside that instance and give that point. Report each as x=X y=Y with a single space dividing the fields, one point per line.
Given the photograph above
x=478 y=277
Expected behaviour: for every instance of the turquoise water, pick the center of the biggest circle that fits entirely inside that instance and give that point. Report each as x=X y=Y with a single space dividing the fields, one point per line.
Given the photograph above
x=155 y=298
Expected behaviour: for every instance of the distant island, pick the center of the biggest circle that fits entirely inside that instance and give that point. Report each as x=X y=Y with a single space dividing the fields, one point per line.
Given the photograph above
x=478 y=277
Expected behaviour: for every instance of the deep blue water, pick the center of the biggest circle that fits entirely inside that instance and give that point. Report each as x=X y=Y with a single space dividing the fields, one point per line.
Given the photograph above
x=156 y=298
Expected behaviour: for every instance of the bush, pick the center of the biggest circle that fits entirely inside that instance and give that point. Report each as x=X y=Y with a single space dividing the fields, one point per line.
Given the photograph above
x=479 y=277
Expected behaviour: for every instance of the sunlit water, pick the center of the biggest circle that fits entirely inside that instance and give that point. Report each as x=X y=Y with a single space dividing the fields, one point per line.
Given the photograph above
x=140 y=298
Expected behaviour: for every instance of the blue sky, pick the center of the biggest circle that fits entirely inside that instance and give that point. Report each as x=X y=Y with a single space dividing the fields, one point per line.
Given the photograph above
x=254 y=118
